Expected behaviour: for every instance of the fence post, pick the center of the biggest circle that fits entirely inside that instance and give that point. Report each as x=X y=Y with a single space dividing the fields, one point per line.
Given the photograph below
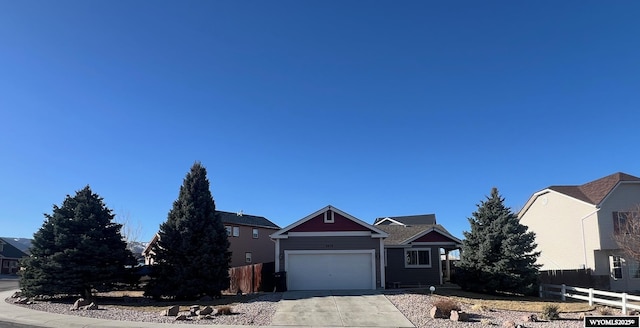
x=563 y=291
x=590 y=296
x=624 y=303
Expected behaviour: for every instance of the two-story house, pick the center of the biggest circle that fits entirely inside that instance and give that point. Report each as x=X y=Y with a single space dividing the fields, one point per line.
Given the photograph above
x=10 y=256
x=575 y=227
x=248 y=235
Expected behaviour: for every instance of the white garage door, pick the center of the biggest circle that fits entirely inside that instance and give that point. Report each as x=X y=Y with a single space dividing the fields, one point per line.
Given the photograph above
x=321 y=270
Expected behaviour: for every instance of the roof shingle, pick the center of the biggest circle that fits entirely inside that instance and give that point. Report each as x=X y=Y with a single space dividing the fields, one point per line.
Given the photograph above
x=594 y=192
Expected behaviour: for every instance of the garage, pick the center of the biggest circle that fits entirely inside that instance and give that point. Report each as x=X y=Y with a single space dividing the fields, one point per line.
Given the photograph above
x=318 y=270
x=330 y=250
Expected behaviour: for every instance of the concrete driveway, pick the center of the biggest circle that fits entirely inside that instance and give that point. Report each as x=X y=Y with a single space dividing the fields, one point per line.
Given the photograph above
x=338 y=309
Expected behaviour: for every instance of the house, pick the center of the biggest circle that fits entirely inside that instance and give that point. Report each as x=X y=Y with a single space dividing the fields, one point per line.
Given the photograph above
x=9 y=257
x=416 y=250
x=575 y=226
x=330 y=249
x=248 y=235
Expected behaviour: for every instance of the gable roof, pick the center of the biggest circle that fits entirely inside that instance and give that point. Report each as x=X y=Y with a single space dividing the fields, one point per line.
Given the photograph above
x=283 y=233
x=245 y=219
x=594 y=192
x=406 y=220
x=23 y=244
x=404 y=235
x=10 y=251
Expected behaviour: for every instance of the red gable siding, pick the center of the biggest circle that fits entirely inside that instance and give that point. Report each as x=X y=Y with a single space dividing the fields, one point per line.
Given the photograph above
x=433 y=237
x=317 y=224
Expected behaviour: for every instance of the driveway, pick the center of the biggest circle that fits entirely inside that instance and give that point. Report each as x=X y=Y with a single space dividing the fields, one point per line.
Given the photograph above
x=338 y=309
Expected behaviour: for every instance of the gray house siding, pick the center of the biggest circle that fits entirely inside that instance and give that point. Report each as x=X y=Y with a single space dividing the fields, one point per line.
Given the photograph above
x=397 y=274
x=332 y=243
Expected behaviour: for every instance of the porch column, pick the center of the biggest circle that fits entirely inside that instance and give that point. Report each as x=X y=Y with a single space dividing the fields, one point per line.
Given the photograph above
x=448 y=261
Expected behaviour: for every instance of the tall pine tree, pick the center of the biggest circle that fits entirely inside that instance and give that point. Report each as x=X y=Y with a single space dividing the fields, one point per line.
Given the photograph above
x=497 y=254
x=78 y=249
x=192 y=253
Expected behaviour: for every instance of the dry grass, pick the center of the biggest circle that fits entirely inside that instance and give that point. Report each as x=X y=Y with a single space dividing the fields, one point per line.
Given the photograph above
x=509 y=302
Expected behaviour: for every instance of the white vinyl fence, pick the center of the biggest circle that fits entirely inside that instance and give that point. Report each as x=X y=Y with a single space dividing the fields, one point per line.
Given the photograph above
x=621 y=300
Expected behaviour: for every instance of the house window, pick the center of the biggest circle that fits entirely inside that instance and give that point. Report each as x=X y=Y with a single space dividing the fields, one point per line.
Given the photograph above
x=417 y=258
x=5 y=264
x=228 y=230
x=615 y=263
x=329 y=217
x=620 y=220
x=255 y=233
x=634 y=269
x=247 y=257
x=236 y=231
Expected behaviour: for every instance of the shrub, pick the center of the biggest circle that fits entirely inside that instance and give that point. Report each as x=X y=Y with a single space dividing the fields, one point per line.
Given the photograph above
x=225 y=310
x=604 y=310
x=445 y=305
x=550 y=312
x=480 y=308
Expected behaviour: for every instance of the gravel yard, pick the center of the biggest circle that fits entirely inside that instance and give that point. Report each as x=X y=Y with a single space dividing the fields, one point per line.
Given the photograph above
x=416 y=308
x=260 y=310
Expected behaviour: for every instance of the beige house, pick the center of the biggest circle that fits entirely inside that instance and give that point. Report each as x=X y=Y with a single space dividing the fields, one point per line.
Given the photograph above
x=575 y=226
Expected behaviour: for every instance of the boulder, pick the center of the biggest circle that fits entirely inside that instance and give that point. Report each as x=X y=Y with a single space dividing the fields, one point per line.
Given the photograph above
x=21 y=300
x=205 y=310
x=458 y=316
x=181 y=317
x=193 y=310
x=436 y=313
x=509 y=324
x=17 y=294
x=171 y=311
x=79 y=303
x=92 y=306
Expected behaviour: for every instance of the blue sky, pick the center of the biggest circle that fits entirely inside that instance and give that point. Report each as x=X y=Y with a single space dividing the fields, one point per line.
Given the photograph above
x=380 y=108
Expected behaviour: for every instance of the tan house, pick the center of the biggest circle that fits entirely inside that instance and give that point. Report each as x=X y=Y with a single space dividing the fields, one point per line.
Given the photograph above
x=575 y=226
x=248 y=235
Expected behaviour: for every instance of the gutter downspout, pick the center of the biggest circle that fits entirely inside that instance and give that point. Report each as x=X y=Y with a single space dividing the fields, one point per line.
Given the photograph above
x=584 y=242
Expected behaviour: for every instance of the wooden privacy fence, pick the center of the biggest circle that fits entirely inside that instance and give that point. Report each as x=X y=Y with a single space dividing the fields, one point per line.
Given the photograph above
x=252 y=278
x=621 y=300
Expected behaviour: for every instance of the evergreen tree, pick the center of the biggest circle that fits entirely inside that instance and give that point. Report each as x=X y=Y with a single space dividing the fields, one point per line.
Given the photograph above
x=78 y=249
x=497 y=254
x=192 y=253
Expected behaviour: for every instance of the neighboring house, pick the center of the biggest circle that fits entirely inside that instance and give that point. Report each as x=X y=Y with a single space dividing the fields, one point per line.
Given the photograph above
x=248 y=235
x=575 y=225
x=9 y=257
x=406 y=220
x=415 y=250
x=330 y=249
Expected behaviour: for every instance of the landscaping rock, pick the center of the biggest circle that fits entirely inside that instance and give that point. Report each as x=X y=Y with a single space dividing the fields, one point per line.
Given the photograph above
x=458 y=316
x=79 y=303
x=509 y=324
x=17 y=294
x=92 y=306
x=529 y=318
x=181 y=317
x=193 y=311
x=21 y=300
x=205 y=310
x=436 y=313
x=171 y=311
